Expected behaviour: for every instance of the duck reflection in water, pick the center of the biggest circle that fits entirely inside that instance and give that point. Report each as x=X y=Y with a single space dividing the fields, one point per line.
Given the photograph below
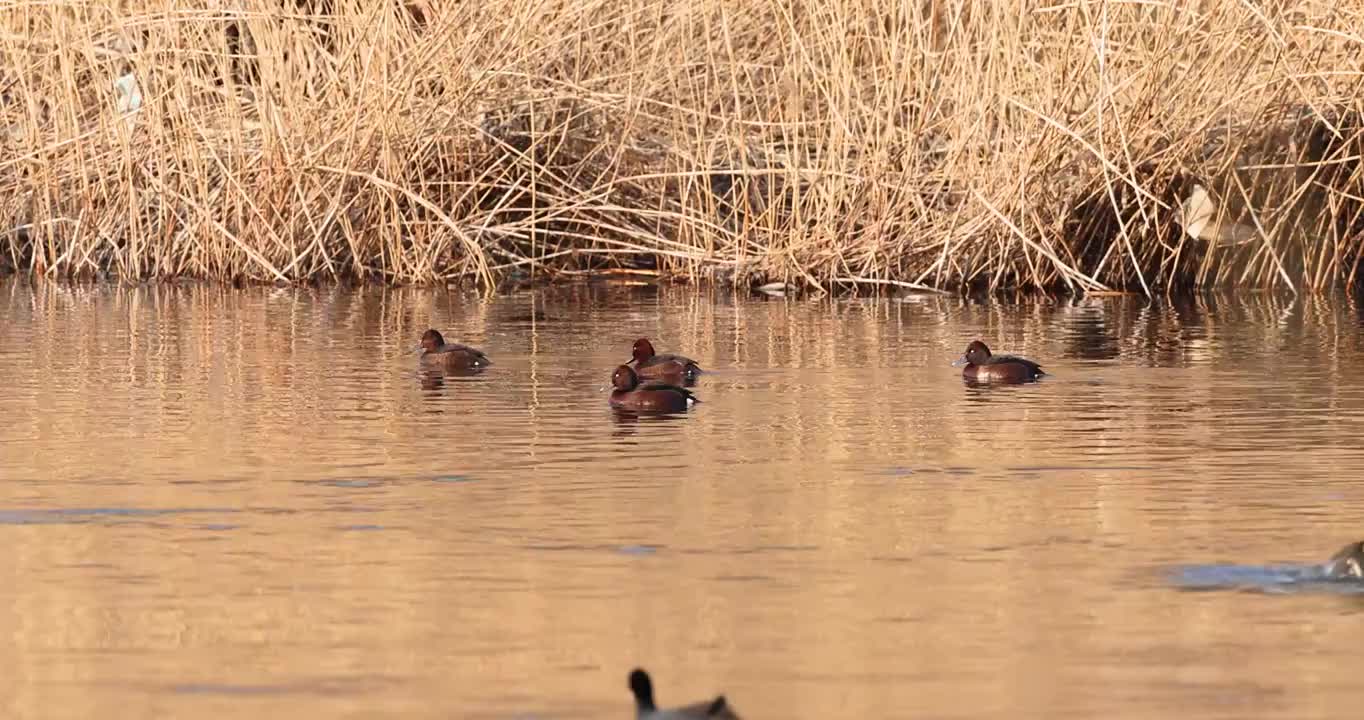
x=432 y=379
x=628 y=422
x=435 y=378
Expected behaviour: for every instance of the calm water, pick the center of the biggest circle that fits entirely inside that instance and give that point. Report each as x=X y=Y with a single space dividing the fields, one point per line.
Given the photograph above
x=225 y=503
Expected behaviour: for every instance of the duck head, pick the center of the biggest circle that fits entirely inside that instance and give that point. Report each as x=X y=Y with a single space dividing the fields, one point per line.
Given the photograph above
x=976 y=354
x=431 y=340
x=643 y=350
x=624 y=378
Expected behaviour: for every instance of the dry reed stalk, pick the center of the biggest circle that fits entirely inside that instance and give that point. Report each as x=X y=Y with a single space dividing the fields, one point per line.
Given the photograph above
x=857 y=144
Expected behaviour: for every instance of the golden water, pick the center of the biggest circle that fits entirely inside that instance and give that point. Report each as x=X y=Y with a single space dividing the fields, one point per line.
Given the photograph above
x=220 y=503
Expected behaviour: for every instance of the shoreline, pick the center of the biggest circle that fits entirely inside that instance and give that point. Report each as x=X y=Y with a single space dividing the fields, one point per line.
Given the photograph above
x=655 y=284
x=923 y=146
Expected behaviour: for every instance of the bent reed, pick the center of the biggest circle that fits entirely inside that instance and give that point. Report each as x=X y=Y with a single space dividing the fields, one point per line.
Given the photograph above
x=1058 y=146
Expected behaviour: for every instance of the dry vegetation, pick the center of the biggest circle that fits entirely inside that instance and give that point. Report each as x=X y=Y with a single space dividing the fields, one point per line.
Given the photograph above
x=835 y=145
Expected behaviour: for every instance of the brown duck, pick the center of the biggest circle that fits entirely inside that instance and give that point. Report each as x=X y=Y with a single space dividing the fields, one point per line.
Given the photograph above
x=673 y=368
x=629 y=394
x=982 y=366
x=436 y=353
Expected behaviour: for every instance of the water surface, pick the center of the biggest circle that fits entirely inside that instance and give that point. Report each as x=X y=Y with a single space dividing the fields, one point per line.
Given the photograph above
x=220 y=503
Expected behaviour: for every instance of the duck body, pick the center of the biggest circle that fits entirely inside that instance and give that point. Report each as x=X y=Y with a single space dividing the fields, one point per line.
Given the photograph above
x=674 y=369
x=982 y=366
x=630 y=394
x=436 y=353
x=645 y=708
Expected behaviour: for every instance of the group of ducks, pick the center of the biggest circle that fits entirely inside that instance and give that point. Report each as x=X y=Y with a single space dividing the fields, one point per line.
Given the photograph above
x=651 y=381
x=663 y=389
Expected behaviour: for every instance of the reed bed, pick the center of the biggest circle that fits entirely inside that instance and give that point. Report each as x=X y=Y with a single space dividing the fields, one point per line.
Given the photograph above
x=1060 y=146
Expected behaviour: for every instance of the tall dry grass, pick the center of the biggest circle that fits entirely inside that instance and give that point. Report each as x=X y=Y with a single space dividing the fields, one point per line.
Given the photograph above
x=826 y=145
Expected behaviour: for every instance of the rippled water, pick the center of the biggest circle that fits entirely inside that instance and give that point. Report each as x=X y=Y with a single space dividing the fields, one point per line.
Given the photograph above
x=248 y=503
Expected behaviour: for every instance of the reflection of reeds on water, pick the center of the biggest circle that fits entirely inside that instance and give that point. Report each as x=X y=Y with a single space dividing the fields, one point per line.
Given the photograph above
x=919 y=144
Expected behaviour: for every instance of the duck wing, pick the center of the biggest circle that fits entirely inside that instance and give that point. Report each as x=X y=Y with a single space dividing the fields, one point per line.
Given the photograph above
x=1003 y=359
x=655 y=385
x=475 y=352
x=666 y=358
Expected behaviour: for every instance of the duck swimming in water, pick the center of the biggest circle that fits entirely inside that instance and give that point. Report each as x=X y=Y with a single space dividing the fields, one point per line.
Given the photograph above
x=982 y=366
x=436 y=353
x=672 y=368
x=629 y=394
x=645 y=709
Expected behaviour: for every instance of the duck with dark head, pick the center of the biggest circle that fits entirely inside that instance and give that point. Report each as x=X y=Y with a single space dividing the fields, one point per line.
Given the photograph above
x=629 y=394
x=982 y=366
x=451 y=357
x=675 y=369
x=646 y=709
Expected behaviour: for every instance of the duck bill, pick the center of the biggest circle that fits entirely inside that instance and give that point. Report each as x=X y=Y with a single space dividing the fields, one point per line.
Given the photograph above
x=959 y=361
